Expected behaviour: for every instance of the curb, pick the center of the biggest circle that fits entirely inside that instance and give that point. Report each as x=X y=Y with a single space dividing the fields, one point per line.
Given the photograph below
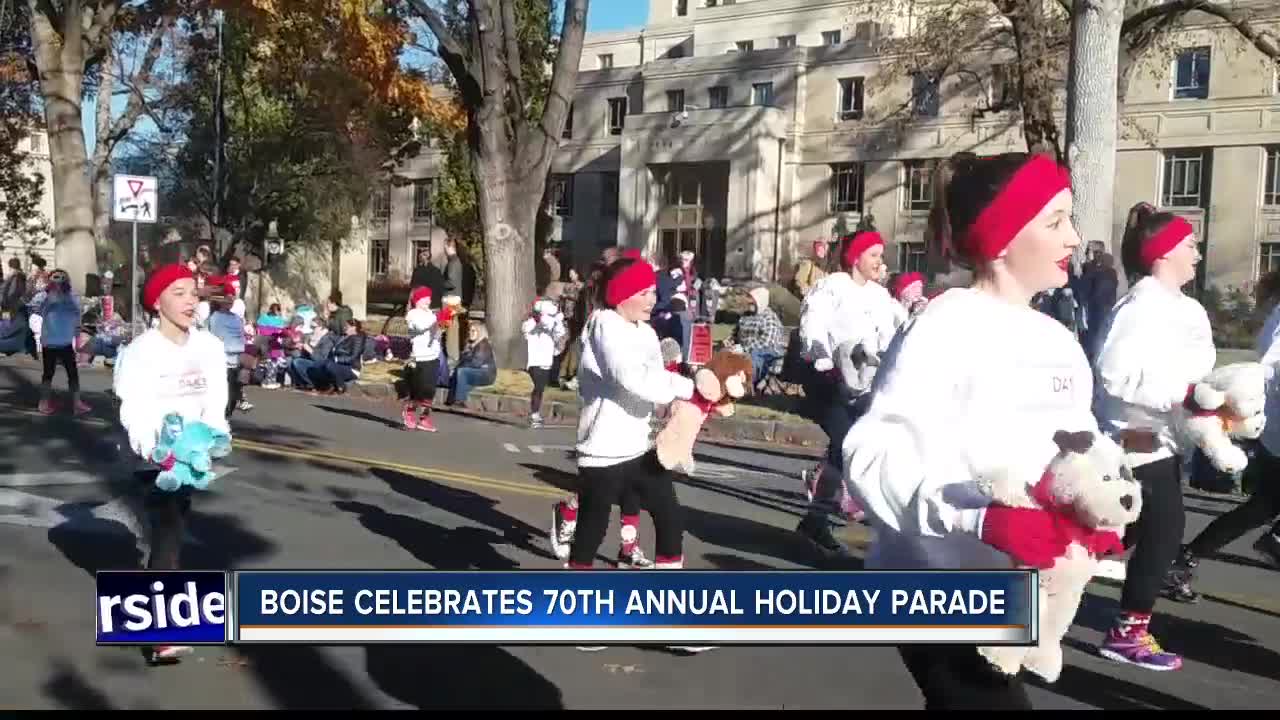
x=766 y=432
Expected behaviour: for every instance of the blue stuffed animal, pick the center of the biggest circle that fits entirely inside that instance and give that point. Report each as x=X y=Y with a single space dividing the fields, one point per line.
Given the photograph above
x=186 y=452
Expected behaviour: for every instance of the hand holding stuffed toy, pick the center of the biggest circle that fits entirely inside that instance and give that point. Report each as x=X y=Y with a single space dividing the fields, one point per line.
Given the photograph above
x=717 y=386
x=186 y=454
x=1226 y=405
x=1087 y=496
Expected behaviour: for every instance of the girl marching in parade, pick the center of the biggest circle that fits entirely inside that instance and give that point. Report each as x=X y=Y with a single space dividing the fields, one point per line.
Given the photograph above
x=173 y=368
x=845 y=306
x=1157 y=343
x=977 y=383
x=426 y=331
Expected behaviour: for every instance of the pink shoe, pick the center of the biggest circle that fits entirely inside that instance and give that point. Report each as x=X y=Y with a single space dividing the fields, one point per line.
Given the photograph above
x=410 y=419
x=426 y=425
x=46 y=407
x=81 y=408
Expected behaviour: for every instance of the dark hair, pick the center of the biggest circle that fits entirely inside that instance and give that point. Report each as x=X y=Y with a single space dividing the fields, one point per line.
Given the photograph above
x=1143 y=223
x=274 y=309
x=355 y=324
x=38 y=261
x=335 y=297
x=612 y=271
x=963 y=186
x=15 y=263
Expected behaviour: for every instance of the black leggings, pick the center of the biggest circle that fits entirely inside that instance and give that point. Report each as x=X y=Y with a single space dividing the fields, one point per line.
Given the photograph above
x=835 y=411
x=235 y=391
x=1156 y=536
x=540 y=376
x=167 y=513
x=956 y=677
x=603 y=487
x=1263 y=475
x=422 y=381
x=66 y=356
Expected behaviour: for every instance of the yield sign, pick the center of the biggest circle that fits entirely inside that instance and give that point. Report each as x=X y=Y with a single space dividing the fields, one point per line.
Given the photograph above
x=135 y=187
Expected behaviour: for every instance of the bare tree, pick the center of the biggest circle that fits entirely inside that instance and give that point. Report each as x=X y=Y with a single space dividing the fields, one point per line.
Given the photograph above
x=511 y=148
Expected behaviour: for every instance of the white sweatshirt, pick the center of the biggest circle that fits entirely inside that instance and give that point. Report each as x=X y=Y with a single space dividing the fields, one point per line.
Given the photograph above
x=839 y=310
x=1269 y=355
x=621 y=377
x=425 y=334
x=976 y=386
x=541 y=338
x=1156 y=343
x=159 y=377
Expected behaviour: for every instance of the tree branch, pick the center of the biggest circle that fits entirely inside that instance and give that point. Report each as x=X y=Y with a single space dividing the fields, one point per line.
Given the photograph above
x=103 y=24
x=1135 y=26
x=450 y=51
x=564 y=76
x=140 y=83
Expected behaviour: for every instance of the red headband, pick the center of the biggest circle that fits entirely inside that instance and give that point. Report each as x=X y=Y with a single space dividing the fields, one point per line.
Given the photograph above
x=160 y=281
x=634 y=279
x=861 y=243
x=417 y=296
x=1017 y=203
x=905 y=281
x=1163 y=242
x=632 y=254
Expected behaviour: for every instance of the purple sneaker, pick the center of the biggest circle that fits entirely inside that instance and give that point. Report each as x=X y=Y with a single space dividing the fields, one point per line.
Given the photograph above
x=1139 y=649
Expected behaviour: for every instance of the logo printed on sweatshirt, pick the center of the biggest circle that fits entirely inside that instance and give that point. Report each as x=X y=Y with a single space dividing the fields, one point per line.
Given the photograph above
x=192 y=382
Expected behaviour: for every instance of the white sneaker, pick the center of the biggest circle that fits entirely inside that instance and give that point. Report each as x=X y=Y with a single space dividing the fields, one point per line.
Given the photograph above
x=592 y=648
x=635 y=560
x=692 y=649
x=561 y=534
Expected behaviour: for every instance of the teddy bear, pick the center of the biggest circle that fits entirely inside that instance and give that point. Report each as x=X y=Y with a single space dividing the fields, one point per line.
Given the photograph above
x=1093 y=495
x=1226 y=405
x=186 y=453
x=719 y=384
x=857 y=362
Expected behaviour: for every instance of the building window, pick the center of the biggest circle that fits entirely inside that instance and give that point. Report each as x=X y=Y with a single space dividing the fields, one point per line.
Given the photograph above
x=561 y=192
x=787 y=41
x=919 y=184
x=605 y=61
x=712 y=3
x=379 y=256
x=609 y=193
x=675 y=100
x=762 y=94
x=37 y=143
x=831 y=37
x=422 y=197
x=718 y=97
x=911 y=257
x=1191 y=73
x=617 y=115
x=924 y=95
x=568 y=124
x=682 y=8
x=1271 y=186
x=851 y=98
x=1001 y=90
x=381 y=210
x=676 y=52
x=846 y=187
x=1268 y=259
x=746 y=45
x=1183 y=175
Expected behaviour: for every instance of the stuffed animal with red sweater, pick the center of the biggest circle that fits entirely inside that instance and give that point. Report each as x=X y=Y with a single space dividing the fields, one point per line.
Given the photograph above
x=719 y=385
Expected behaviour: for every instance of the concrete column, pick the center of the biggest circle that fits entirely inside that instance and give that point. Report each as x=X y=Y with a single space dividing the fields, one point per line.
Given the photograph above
x=1232 y=228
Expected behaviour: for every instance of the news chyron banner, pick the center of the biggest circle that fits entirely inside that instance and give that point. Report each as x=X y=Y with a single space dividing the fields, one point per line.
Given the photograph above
x=532 y=607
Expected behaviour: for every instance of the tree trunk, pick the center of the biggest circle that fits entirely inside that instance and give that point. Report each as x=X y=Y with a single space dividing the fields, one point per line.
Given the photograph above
x=1033 y=33
x=61 y=69
x=507 y=221
x=100 y=163
x=1093 y=117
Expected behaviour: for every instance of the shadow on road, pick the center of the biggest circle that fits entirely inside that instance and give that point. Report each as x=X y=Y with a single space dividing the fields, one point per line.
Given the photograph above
x=1196 y=640
x=302 y=678
x=360 y=415
x=1110 y=693
x=458 y=677
x=463 y=548
x=70 y=690
x=757 y=538
x=477 y=508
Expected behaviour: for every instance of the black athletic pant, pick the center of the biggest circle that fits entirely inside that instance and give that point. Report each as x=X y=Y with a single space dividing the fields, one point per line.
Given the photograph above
x=1263 y=475
x=540 y=376
x=956 y=677
x=603 y=487
x=833 y=408
x=1156 y=536
x=167 y=513
x=66 y=356
x=235 y=391
x=422 y=381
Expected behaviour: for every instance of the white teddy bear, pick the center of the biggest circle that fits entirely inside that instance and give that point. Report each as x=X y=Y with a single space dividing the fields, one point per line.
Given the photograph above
x=1227 y=404
x=1095 y=495
x=857 y=361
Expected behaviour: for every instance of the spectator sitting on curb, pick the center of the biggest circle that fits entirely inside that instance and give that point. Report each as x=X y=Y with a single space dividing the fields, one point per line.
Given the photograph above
x=316 y=351
x=477 y=366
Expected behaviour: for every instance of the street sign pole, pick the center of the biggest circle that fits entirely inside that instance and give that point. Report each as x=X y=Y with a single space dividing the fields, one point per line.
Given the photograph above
x=135 y=200
x=133 y=280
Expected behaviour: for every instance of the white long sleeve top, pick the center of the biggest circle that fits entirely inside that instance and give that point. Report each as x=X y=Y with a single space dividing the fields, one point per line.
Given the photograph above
x=425 y=334
x=1269 y=355
x=621 y=377
x=1156 y=343
x=839 y=310
x=973 y=387
x=542 y=336
x=159 y=377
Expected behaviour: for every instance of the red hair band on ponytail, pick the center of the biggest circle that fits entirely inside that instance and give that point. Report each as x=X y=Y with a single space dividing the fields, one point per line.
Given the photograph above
x=1163 y=242
x=1027 y=192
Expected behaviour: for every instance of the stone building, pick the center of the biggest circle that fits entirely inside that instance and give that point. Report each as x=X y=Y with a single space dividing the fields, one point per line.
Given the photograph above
x=24 y=242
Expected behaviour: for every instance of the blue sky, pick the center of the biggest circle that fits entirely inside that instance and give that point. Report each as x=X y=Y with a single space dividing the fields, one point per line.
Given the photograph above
x=602 y=16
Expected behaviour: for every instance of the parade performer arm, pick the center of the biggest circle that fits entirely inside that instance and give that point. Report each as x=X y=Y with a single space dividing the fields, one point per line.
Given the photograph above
x=1132 y=366
x=629 y=364
x=816 y=315
x=139 y=416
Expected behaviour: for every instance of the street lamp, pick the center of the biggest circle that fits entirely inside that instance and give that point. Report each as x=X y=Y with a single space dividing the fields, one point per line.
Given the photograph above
x=217 y=129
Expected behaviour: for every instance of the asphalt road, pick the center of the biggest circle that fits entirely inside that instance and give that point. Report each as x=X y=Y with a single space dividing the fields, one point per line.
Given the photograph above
x=323 y=482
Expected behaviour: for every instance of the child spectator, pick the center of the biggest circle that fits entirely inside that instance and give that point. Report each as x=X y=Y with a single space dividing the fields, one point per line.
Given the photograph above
x=60 y=323
x=229 y=329
x=543 y=331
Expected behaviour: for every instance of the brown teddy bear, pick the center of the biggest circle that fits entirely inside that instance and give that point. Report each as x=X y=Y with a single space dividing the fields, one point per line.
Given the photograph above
x=720 y=383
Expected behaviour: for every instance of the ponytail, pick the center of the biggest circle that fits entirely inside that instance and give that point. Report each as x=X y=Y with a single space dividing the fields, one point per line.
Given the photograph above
x=1144 y=222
